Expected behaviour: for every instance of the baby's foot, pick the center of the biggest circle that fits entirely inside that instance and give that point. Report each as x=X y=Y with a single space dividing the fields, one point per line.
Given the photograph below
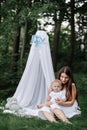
x=39 y=106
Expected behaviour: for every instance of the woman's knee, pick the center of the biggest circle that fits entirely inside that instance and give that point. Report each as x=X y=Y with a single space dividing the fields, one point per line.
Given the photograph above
x=54 y=110
x=57 y=111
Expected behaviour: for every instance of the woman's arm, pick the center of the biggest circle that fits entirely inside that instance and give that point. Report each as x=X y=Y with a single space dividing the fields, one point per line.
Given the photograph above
x=68 y=103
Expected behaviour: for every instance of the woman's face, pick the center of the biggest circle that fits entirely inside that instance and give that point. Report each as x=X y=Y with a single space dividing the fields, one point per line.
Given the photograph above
x=64 y=78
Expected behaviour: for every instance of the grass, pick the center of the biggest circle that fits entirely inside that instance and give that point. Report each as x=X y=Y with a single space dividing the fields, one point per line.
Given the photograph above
x=12 y=122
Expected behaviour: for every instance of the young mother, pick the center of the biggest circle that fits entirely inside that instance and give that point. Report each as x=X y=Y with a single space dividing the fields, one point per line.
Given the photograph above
x=67 y=108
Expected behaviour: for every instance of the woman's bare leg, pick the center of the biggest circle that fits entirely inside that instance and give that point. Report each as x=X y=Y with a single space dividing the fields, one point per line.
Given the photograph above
x=49 y=116
x=60 y=115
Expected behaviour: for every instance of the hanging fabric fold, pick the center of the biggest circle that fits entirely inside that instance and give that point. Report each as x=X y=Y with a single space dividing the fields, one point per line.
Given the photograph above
x=36 y=79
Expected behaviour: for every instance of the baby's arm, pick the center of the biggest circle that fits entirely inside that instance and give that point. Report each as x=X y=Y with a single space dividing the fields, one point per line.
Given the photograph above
x=48 y=98
x=47 y=103
x=50 y=89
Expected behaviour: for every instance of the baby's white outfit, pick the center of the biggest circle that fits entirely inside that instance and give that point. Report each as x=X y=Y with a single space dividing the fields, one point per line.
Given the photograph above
x=55 y=95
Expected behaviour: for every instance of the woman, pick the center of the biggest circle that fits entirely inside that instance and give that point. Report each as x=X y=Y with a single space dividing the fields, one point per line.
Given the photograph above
x=67 y=108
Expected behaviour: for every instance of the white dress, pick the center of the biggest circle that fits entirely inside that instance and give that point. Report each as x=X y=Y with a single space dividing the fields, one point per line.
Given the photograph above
x=54 y=95
x=69 y=111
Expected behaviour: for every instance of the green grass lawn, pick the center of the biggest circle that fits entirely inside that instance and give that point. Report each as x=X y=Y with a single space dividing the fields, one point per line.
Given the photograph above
x=12 y=122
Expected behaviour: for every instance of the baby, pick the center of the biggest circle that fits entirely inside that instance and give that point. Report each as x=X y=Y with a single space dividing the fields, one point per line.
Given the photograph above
x=54 y=93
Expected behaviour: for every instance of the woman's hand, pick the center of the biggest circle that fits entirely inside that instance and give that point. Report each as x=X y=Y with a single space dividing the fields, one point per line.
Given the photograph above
x=69 y=102
x=59 y=101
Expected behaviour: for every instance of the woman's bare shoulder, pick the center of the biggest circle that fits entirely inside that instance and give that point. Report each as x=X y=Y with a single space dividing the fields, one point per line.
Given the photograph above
x=73 y=84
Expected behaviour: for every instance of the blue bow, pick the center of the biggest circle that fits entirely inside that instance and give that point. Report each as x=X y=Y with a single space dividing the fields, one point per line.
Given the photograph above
x=37 y=40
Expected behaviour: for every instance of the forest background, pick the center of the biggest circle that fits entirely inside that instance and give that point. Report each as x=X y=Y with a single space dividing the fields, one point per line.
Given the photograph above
x=65 y=21
x=20 y=19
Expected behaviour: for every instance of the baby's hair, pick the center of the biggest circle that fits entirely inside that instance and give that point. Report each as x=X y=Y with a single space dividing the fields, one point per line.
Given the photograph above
x=57 y=81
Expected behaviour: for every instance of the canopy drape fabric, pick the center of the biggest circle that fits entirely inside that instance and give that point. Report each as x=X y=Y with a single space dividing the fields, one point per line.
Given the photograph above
x=36 y=79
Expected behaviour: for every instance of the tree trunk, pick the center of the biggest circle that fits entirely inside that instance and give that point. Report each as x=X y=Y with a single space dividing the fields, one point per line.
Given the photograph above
x=25 y=39
x=72 y=42
x=16 y=49
x=57 y=37
x=55 y=47
x=0 y=13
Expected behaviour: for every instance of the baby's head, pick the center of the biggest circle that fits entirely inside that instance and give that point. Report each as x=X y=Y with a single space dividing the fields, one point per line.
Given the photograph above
x=56 y=85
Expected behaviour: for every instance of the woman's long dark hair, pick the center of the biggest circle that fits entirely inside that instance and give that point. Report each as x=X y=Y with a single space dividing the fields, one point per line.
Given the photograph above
x=68 y=72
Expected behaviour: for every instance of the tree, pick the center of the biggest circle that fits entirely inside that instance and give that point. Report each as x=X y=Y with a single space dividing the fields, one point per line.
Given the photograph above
x=27 y=24
x=57 y=29
x=72 y=42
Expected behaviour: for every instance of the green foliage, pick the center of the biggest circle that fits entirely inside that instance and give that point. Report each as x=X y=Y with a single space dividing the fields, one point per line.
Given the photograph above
x=14 y=13
x=64 y=44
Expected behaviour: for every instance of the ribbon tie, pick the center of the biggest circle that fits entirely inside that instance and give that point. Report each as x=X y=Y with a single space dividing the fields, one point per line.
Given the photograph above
x=37 y=40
